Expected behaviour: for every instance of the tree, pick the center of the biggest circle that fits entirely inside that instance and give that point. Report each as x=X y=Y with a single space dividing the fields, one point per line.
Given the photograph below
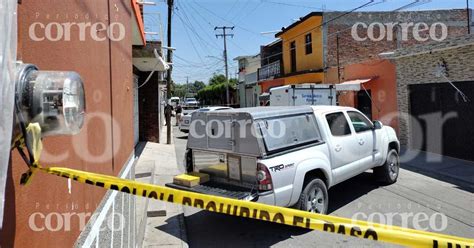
x=178 y=90
x=217 y=79
x=215 y=92
x=197 y=86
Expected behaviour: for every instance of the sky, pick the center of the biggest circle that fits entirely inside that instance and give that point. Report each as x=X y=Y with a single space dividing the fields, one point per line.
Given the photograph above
x=199 y=54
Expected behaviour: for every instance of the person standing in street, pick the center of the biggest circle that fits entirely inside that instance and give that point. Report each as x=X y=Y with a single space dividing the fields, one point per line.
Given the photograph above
x=179 y=111
x=168 y=113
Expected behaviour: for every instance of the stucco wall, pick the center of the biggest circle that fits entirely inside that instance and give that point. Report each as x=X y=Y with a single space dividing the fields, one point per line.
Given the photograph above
x=106 y=141
x=304 y=61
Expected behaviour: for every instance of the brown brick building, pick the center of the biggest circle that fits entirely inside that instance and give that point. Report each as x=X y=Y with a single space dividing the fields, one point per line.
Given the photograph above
x=435 y=88
x=349 y=43
x=352 y=51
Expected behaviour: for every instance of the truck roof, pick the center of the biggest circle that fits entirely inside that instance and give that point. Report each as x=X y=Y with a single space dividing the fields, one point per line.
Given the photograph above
x=265 y=112
x=269 y=111
x=322 y=109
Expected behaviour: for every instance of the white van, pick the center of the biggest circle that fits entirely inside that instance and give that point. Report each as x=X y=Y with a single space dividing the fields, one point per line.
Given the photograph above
x=304 y=94
x=174 y=101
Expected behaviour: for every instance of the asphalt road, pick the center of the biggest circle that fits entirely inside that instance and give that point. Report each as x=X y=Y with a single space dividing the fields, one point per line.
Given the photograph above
x=415 y=201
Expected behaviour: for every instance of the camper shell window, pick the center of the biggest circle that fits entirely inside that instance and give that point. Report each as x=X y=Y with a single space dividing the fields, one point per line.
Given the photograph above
x=289 y=131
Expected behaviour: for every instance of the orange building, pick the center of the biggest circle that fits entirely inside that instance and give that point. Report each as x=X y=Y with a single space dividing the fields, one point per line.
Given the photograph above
x=378 y=95
x=302 y=46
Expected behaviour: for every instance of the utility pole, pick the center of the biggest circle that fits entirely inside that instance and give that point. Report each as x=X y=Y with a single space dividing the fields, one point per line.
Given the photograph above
x=337 y=58
x=187 y=87
x=168 y=75
x=468 y=18
x=224 y=35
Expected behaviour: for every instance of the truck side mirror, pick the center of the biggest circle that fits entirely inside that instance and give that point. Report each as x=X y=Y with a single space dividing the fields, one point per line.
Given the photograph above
x=378 y=125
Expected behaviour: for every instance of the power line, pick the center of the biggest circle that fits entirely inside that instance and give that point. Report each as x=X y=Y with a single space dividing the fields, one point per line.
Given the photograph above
x=242 y=17
x=293 y=5
x=225 y=20
x=202 y=41
x=237 y=12
x=202 y=28
x=191 y=41
x=200 y=15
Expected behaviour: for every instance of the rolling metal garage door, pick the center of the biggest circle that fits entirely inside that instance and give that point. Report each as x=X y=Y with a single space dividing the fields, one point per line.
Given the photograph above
x=429 y=103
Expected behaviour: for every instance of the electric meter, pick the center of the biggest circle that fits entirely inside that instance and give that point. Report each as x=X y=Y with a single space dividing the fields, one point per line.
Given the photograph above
x=54 y=99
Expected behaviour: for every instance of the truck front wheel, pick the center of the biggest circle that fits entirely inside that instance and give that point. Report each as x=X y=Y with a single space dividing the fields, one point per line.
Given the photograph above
x=388 y=172
x=314 y=197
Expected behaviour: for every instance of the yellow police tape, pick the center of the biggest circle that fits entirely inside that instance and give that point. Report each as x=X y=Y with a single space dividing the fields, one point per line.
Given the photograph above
x=287 y=216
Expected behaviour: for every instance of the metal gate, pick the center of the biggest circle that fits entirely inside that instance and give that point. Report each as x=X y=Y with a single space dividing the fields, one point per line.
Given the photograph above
x=446 y=120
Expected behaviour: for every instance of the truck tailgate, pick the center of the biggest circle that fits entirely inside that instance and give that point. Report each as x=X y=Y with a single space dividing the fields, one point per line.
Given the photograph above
x=222 y=190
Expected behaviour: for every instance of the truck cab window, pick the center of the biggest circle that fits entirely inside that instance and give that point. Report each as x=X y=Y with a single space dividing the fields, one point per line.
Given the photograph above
x=360 y=122
x=338 y=124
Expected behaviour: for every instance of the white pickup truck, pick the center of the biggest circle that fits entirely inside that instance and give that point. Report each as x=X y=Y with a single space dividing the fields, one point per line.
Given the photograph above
x=288 y=156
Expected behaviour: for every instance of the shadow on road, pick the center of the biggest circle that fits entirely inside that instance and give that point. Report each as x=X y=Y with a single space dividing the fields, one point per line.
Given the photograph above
x=182 y=136
x=206 y=229
x=350 y=190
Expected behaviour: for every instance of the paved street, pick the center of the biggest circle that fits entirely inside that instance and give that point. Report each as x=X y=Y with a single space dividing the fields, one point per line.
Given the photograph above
x=449 y=207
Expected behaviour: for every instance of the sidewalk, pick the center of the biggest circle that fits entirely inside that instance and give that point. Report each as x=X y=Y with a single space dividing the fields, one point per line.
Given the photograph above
x=456 y=171
x=165 y=221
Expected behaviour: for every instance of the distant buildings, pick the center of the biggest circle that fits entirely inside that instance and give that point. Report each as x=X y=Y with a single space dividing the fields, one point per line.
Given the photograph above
x=247 y=81
x=357 y=48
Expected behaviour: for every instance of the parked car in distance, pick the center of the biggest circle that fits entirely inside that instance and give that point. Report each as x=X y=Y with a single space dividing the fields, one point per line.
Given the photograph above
x=297 y=155
x=189 y=109
x=186 y=118
x=174 y=101
x=191 y=101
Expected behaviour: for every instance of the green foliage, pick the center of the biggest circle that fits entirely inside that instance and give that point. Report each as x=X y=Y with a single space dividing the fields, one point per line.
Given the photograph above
x=217 y=79
x=216 y=94
x=197 y=86
x=186 y=90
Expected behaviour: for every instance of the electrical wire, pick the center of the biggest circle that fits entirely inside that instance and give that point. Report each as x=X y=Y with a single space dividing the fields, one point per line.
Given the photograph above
x=186 y=16
x=191 y=41
x=293 y=5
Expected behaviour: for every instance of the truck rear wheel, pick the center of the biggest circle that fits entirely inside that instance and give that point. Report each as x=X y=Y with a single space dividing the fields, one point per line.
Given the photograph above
x=314 y=197
x=388 y=172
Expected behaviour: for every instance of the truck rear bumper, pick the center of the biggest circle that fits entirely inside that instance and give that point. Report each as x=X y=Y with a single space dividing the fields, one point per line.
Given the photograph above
x=219 y=190
x=234 y=193
x=266 y=198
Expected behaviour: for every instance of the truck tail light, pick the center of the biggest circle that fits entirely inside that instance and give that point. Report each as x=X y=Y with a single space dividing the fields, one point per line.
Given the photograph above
x=188 y=160
x=264 y=178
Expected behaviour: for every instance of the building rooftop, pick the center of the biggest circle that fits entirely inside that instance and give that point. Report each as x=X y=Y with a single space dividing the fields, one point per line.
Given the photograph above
x=449 y=43
x=301 y=20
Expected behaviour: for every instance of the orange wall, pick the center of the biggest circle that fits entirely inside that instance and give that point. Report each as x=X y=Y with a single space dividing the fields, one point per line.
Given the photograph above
x=106 y=68
x=304 y=62
x=306 y=78
x=266 y=85
x=383 y=88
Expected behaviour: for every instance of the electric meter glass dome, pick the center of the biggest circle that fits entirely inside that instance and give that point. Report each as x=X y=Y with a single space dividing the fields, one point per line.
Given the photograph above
x=58 y=101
